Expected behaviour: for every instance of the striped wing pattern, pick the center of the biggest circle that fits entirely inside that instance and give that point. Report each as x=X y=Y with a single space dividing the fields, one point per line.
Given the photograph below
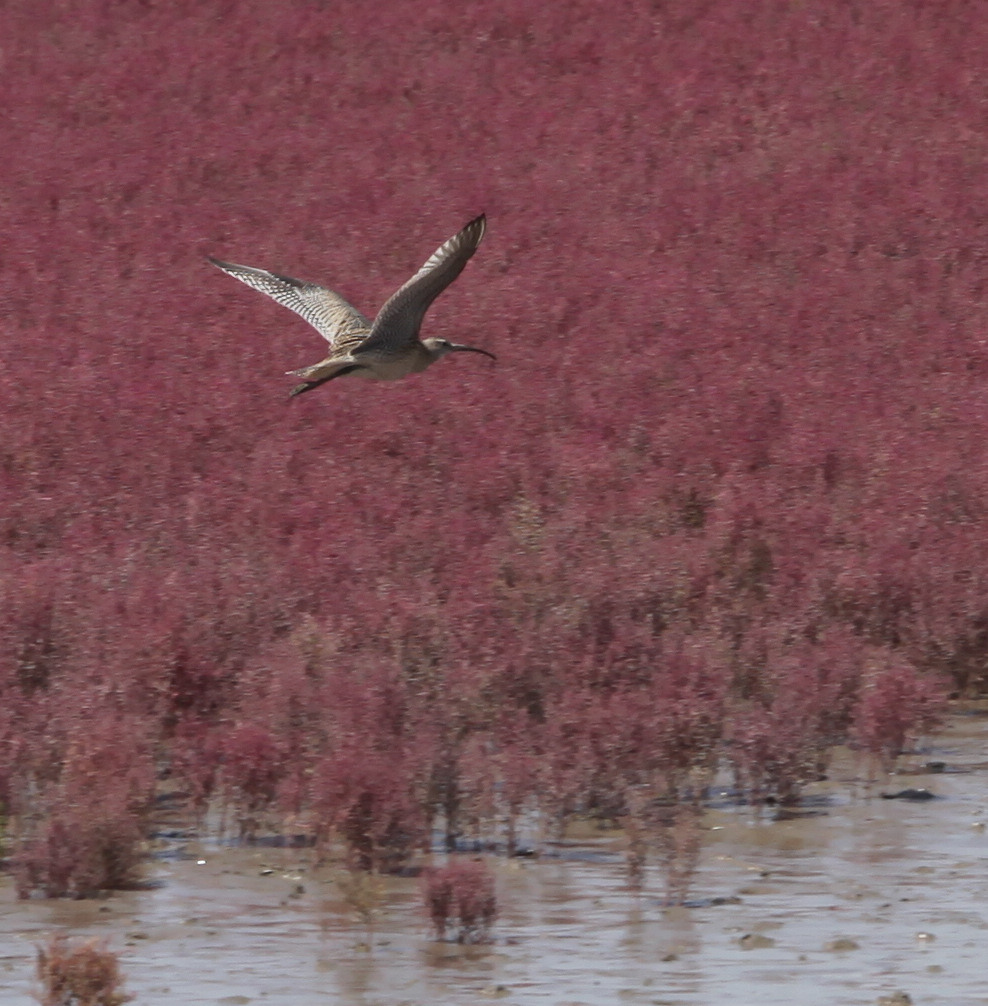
x=398 y=322
x=338 y=322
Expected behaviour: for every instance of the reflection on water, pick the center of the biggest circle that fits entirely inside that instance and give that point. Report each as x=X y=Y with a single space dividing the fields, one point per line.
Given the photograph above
x=862 y=897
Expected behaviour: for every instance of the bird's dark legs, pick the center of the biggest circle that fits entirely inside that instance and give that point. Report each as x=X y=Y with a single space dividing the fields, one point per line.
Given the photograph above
x=300 y=389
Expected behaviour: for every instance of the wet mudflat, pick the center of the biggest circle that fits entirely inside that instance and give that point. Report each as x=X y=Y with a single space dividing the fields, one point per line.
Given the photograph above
x=850 y=898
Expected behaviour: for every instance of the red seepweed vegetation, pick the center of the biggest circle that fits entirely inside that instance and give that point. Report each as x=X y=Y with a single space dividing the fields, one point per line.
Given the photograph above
x=86 y=831
x=895 y=706
x=460 y=896
x=721 y=505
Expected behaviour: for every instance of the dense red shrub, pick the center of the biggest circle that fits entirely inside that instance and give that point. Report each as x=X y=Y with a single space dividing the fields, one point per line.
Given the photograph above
x=896 y=706
x=366 y=799
x=731 y=460
x=251 y=763
x=793 y=701
x=370 y=781
x=195 y=754
x=79 y=852
x=85 y=830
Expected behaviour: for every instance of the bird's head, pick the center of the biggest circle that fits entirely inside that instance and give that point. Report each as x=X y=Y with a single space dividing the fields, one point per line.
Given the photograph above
x=438 y=348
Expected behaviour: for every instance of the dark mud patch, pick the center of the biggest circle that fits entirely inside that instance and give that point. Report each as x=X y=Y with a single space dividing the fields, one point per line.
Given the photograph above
x=912 y=793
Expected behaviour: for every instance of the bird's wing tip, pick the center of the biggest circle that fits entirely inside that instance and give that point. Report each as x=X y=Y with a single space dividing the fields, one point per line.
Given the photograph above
x=478 y=225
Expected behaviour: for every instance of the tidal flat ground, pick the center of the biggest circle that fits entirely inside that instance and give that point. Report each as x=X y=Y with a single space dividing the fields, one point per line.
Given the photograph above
x=848 y=898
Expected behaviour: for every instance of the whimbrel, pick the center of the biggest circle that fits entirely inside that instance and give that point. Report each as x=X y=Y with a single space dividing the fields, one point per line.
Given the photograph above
x=389 y=348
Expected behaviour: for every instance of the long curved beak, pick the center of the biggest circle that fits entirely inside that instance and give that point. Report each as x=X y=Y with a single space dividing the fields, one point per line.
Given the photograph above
x=470 y=349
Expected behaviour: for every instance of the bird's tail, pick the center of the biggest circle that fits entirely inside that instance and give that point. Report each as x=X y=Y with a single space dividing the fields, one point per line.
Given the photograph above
x=312 y=377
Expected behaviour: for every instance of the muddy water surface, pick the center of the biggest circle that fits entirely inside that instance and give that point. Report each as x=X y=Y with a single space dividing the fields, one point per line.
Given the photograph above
x=854 y=898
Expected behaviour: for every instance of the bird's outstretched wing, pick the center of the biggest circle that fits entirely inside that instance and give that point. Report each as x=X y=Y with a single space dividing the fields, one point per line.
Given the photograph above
x=397 y=323
x=327 y=312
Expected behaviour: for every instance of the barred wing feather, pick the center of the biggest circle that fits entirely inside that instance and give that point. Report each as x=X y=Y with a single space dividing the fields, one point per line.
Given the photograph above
x=327 y=312
x=398 y=322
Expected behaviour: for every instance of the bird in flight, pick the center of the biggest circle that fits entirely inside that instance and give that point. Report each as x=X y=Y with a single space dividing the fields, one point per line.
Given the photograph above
x=388 y=349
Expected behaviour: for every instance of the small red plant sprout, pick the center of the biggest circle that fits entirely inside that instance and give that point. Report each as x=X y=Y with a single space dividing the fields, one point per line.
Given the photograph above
x=84 y=975
x=462 y=894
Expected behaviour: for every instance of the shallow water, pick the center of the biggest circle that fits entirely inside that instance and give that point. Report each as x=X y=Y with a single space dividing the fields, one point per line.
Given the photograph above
x=903 y=884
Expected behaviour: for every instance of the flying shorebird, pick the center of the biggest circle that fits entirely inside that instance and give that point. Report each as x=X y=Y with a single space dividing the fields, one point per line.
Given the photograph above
x=389 y=348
